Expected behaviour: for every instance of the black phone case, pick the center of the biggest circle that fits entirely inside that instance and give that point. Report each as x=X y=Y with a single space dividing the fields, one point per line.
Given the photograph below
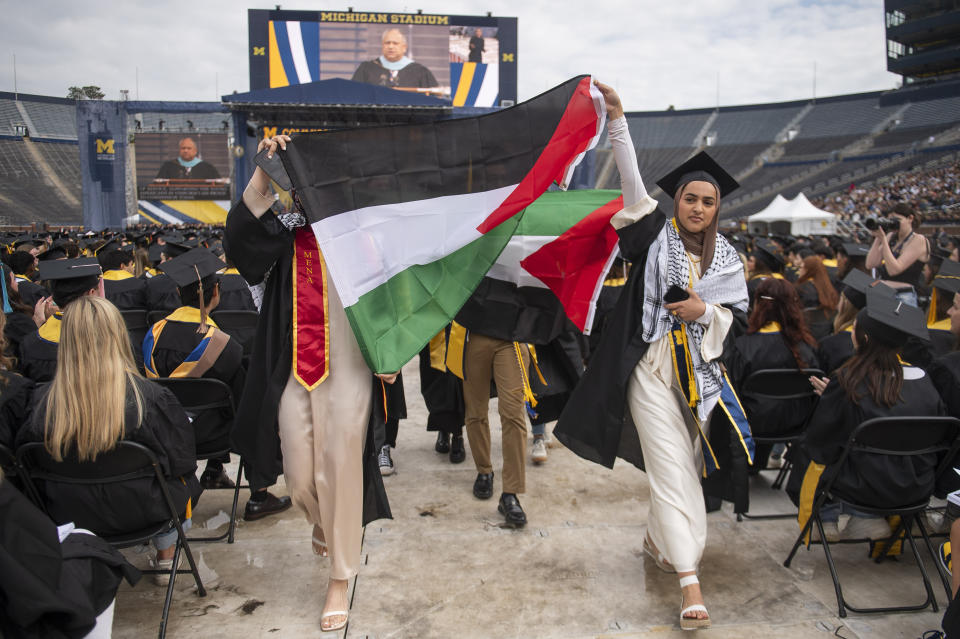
x=675 y=294
x=274 y=169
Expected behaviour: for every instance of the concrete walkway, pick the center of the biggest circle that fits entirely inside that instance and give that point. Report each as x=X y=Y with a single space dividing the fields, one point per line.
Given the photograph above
x=444 y=566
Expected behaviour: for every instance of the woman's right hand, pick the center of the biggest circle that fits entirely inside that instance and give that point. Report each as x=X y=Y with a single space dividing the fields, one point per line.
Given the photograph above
x=273 y=143
x=612 y=100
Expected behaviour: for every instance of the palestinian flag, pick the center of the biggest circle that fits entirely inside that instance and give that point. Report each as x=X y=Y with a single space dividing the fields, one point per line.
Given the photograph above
x=410 y=218
x=553 y=265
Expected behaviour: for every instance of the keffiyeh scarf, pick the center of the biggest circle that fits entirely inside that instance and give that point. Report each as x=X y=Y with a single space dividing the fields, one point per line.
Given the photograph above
x=722 y=283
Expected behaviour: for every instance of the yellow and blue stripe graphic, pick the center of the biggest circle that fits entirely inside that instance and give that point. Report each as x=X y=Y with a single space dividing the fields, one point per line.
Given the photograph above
x=183 y=211
x=293 y=52
x=474 y=84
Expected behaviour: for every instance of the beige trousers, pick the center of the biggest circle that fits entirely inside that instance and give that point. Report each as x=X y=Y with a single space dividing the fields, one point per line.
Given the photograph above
x=322 y=433
x=486 y=358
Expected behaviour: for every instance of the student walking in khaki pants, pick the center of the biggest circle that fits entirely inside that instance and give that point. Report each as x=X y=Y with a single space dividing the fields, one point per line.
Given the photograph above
x=486 y=358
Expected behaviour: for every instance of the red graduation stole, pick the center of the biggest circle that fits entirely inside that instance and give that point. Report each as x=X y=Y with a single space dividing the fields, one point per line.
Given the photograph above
x=311 y=317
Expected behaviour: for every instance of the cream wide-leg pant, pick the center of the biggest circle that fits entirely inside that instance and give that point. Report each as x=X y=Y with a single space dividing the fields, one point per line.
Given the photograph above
x=322 y=433
x=672 y=452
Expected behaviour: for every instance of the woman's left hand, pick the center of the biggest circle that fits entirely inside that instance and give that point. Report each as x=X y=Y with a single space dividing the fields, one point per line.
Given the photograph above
x=819 y=384
x=689 y=309
x=388 y=377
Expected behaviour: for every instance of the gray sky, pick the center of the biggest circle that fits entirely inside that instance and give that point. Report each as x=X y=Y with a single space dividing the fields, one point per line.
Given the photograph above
x=655 y=52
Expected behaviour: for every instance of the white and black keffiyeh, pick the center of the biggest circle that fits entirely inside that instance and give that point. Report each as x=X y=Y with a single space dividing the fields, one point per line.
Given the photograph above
x=722 y=283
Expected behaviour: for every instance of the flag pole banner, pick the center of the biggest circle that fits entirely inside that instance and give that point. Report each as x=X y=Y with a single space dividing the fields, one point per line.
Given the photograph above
x=411 y=218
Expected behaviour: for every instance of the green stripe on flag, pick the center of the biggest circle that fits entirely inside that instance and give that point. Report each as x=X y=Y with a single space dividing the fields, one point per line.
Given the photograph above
x=395 y=320
x=556 y=211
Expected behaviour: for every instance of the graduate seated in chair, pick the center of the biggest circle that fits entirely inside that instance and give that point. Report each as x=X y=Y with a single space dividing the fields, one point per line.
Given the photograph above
x=875 y=382
x=187 y=343
x=69 y=280
x=120 y=285
x=777 y=337
x=96 y=399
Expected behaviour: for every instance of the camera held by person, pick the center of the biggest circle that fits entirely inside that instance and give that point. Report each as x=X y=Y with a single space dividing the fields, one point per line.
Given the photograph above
x=873 y=223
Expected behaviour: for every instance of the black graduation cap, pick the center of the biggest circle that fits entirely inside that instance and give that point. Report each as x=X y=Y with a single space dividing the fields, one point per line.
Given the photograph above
x=890 y=320
x=25 y=239
x=700 y=167
x=855 y=286
x=55 y=252
x=178 y=247
x=69 y=277
x=948 y=279
x=769 y=253
x=192 y=266
x=112 y=245
x=853 y=249
x=937 y=256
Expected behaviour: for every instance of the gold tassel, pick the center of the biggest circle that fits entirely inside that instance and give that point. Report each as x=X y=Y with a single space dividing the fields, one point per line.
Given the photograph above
x=203 y=309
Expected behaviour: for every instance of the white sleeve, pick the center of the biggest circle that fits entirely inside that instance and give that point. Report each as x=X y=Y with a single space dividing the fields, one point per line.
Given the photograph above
x=626 y=157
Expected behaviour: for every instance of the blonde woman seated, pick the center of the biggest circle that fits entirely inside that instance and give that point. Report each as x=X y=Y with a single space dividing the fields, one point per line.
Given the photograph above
x=96 y=399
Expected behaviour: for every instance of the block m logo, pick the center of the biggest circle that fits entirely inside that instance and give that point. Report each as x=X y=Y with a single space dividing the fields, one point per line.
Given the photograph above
x=105 y=146
x=259 y=51
x=508 y=57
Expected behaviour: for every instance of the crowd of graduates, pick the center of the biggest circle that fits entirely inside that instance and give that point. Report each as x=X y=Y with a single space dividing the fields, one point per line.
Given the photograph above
x=809 y=301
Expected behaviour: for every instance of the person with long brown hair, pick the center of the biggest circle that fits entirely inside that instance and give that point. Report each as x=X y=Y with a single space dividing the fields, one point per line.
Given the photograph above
x=837 y=348
x=97 y=397
x=814 y=272
x=873 y=383
x=777 y=337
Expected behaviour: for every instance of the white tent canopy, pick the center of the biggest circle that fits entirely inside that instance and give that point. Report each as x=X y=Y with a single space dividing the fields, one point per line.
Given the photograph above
x=793 y=217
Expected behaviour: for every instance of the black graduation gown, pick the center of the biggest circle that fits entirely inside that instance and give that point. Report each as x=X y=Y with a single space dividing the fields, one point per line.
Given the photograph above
x=809 y=298
x=16 y=393
x=126 y=294
x=412 y=75
x=162 y=293
x=873 y=480
x=50 y=590
x=18 y=326
x=596 y=423
x=561 y=364
x=258 y=247
x=30 y=292
x=607 y=301
x=38 y=357
x=834 y=351
x=235 y=294
x=176 y=341
x=443 y=395
x=109 y=509
x=944 y=372
x=759 y=351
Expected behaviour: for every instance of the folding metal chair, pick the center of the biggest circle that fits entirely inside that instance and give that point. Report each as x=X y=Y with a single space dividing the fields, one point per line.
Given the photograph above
x=155 y=316
x=891 y=436
x=127 y=461
x=196 y=395
x=780 y=385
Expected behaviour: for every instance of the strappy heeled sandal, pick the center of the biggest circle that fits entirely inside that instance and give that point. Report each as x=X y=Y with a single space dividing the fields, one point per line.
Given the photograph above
x=319 y=545
x=692 y=623
x=657 y=556
x=335 y=613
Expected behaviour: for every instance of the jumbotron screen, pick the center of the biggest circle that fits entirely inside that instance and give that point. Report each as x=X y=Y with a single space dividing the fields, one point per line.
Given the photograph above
x=471 y=60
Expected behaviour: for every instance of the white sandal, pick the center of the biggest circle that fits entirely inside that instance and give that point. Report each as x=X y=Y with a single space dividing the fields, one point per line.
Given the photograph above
x=319 y=545
x=656 y=555
x=692 y=623
x=335 y=613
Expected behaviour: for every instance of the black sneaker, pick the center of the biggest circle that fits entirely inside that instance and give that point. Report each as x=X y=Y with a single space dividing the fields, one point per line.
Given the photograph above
x=386 y=462
x=511 y=510
x=483 y=486
x=211 y=478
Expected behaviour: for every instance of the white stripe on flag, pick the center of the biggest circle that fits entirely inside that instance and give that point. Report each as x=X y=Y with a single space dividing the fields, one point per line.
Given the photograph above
x=299 y=55
x=490 y=88
x=507 y=267
x=158 y=212
x=365 y=247
x=592 y=309
x=600 y=107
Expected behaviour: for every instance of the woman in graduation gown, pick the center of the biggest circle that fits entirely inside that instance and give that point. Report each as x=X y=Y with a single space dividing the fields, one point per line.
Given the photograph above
x=945 y=370
x=95 y=368
x=873 y=383
x=630 y=394
x=330 y=435
x=817 y=295
x=835 y=349
x=777 y=337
